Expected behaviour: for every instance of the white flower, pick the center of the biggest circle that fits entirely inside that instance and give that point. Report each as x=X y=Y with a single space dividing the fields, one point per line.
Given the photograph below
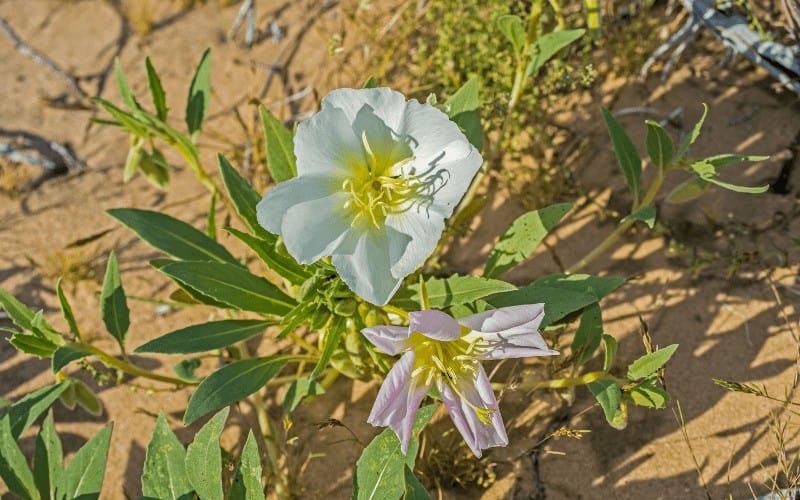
x=376 y=177
x=443 y=352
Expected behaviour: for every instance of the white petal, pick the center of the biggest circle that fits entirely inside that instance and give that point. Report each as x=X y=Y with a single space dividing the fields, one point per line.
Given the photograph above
x=510 y=332
x=434 y=324
x=326 y=144
x=389 y=339
x=272 y=208
x=314 y=229
x=387 y=104
x=477 y=434
x=398 y=401
x=363 y=263
x=424 y=230
x=386 y=146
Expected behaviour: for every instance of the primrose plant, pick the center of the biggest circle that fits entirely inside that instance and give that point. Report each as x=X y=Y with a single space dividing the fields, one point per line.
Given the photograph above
x=365 y=193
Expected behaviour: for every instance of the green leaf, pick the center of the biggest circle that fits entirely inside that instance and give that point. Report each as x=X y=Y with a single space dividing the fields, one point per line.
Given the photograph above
x=66 y=310
x=649 y=396
x=204 y=459
x=199 y=95
x=687 y=191
x=25 y=411
x=134 y=158
x=131 y=123
x=549 y=45
x=511 y=27
x=85 y=397
x=65 y=355
x=113 y=305
x=650 y=363
x=380 y=472
x=659 y=145
x=728 y=159
x=278 y=261
x=370 y=83
x=522 y=237
x=205 y=336
x=414 y=490
x=14 y=468
x=247 y=478
x=156 y=90
x=211 y=219
x=164 y=475
x=298 y=390
x=83 y=477
x=738 y=189
x=193 y=293
x=124 y=89
x=243 y=197
x=609 y=351
x=231 y=285
x=47 y=461
x=281 y=161
x=626 y=153
x=451 y=291
x=645 y=214
x=185 y=370
x=231 y=383
x=693 y=135
x=561 y=294
x=331 y=340
x=35 y=346
x=155 y=167
x=464 y=107
x=27 y=319
x=589 y=333
x=608 y=394
x=172 y=236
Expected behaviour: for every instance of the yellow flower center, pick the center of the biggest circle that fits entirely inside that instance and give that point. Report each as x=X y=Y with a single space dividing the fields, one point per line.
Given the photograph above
x=446 y=362
x=380 y=187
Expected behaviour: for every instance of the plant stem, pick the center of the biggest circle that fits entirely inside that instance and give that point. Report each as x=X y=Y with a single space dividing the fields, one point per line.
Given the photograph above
x=563 y=383
x=621 y=229
x=125 y=366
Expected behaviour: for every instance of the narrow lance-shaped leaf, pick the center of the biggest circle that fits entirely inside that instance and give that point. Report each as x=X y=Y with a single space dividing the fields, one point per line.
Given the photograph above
x=281 y=161
x=204 y=459
x=65 y=355
x=331 y=341
x=451 y=291
x=549 y=45
x=172 y=236
x=66 y=310
x=14 y=468
x=113 y=304
x=693 y=135
x=281 y=263
x=164 y=475
x=205 y=336
x=83 y=477
x=522 y=237
x=199 y=96
x=232 y=383
x=244 y=198
x=414 y=490
x=25 y=411
x=156 y=90
x=645 y=214
x=124 y=89
x=155 y=168
x=627 y=155
x=247 y=478
x=589 y=333
x=659 y=145
x=47 y=458
x=28 y=320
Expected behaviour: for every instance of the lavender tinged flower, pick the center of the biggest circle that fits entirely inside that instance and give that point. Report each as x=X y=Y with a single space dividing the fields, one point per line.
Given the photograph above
x=376 y=177
x=439 y=350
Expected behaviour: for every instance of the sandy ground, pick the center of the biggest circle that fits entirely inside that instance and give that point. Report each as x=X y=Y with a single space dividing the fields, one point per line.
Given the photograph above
x=684 y=286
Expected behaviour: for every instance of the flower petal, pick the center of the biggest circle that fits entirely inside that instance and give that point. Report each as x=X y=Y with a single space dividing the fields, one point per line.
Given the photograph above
x=478 y=393
x=434 y=324
x=314 y=229
x=511 y=332
x=326 y=144
x=389 y=339
x=384 y=143
x=424 y=228
x=387 y=104
x=272 y=208
x=362 y=261
x=398 y=401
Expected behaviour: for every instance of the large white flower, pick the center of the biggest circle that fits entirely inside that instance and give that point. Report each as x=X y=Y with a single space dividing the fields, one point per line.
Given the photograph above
x=376 y=177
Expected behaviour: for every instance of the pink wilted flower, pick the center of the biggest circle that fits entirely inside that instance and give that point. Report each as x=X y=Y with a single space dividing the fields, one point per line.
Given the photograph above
x=447 y=352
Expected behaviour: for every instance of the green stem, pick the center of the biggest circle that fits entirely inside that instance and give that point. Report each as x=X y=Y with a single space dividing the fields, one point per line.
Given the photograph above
x=621 y=229
x=563 y=383
x=125 y=366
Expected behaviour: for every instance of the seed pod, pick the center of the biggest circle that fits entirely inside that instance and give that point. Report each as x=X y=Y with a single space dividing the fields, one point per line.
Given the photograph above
x=345 y=307
x=320 y=317
x=308 y=288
